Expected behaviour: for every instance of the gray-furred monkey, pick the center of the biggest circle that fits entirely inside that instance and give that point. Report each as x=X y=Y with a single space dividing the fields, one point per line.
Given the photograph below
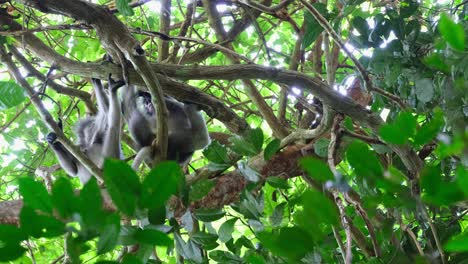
x=98 y=136
x=187 y=130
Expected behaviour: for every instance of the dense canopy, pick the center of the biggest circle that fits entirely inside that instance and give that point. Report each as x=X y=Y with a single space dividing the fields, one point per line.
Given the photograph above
x=338 y=131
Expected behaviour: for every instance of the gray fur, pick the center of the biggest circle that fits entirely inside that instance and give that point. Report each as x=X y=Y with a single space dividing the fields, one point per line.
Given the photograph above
x=187 y=130
x=97 y=136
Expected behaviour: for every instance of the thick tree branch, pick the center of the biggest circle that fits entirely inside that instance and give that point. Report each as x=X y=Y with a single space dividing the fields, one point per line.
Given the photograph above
x=180 y=91
x=164 y=23
x=328 y=96
x=332 y=98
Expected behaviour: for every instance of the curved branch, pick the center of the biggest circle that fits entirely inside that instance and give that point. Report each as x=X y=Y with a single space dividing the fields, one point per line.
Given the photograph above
x=183 y=92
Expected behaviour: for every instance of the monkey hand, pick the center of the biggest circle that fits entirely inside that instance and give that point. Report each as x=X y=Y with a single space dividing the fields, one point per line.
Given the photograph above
x=115 y=85
x=59 y=123
x=191 y=106
x=51 y=137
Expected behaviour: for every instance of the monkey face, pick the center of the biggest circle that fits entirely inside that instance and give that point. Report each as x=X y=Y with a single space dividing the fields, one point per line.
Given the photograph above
x=144 y=104
x=149 y=107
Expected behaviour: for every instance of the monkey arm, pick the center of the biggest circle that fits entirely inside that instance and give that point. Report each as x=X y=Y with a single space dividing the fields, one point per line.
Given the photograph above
x=67 y=161
x=200 y=136
x=142 y=154
x=101 y=97
x=111 y=147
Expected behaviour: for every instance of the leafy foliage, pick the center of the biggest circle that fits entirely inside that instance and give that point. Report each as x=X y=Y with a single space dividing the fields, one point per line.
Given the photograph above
x=396 y=188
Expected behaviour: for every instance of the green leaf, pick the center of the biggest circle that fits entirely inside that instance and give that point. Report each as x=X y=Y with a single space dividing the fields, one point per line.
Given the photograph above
x=216 y=153
x=248 y=145
x=63 y=198
x=407 y=123
x=430 y=129
x=218 y=167
x=255 y=259
x=11 y=234
x=153 y=237
x=312 y=27
x=241 y=146
x=462 y=178
x=190 y=251
x=250 y=207
x=458 y=243
x=255 y=136
x=127 y=235
x=162 y=182
x=436 y=61
x=224 y=257
x=91 y=210
x=244 y=242
x=130 y=259
x=11 y=94
x=452 y=33
x=209 y=215
x=37 y=225
x=358 y=152
x=316 y=169
x=226 y=229
x=157 y=216
x=200 y=189
x=348 y=123
x=11 y=251
x=318 y=206
x=290 y=242
x=278 y=182
x=271 y=149
x=123 y=185
x=390 y=133
x=35 y=195
x=124 y=8
x=400 y=130
x=276 y=218
x=438 y=191
x=109 y=235
x=256 y=225
x=204 y=239
x=75 y=247
x=321 y=147
x=424 y=89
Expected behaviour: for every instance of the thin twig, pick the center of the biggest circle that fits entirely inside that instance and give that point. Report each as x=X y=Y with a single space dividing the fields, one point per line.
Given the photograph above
x=364 y=138
x=370 y=227
x=426 y=218
x=18 y=114
x=266 y=9
x=337 y=236
x=344 y=221
x=367 y=81
x=413 y=237
x=198 y=41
